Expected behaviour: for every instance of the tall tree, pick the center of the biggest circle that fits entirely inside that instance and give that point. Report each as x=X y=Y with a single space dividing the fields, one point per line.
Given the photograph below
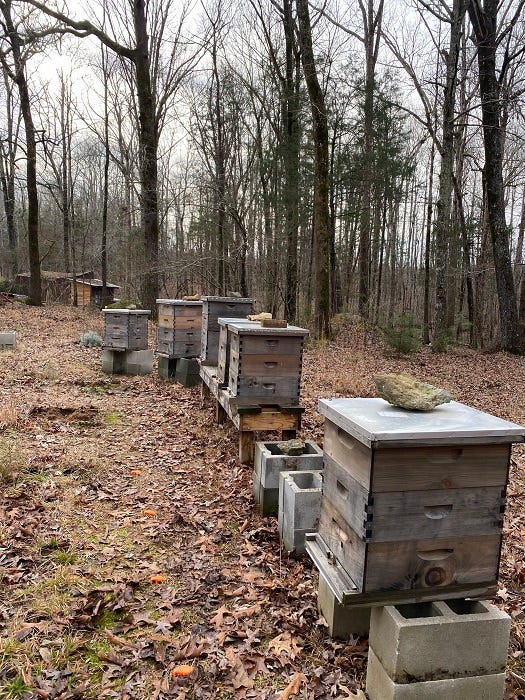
x=484 y=22
x=17 y=72
x=443 y=221
x=321 y=218
x=143 y=53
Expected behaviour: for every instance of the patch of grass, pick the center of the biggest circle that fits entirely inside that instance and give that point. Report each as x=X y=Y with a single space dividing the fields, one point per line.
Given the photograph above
x=53 y=595
x=112 y=418
x=8 y=415
x=12 y=460
x=64 y=557
x=106 y=620
x=97 y=390
x=94 y=649
x=14 y=688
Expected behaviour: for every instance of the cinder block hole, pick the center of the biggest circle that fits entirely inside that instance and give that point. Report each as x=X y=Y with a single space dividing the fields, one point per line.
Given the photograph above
x=412 y=611
x=466 y=607
x=303 y=480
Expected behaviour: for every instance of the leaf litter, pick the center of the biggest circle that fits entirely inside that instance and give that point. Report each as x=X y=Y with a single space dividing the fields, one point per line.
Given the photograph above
x=130 y=545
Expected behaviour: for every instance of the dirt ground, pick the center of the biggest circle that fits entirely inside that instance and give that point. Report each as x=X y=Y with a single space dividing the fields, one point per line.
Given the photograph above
x=130 y=545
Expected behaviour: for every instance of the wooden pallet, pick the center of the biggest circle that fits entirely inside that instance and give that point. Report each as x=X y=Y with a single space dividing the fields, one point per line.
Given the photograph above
x=250 y=417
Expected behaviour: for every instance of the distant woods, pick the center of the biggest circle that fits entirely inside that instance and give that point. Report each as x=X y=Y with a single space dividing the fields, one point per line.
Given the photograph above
x=364 y=159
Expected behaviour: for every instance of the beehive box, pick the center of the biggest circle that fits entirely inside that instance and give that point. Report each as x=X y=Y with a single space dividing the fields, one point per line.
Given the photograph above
x=266 y=363
x=126 y=329
x=212 y=309
x=179 y=327
x=413 y=500
x=225 y=335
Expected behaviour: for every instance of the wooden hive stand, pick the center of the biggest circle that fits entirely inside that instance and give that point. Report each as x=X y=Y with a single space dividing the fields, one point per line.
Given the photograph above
x=257 y=380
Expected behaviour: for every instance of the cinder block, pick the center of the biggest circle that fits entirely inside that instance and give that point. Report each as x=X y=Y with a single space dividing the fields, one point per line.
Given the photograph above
x=269 y=462
x=166 y=367
x=139 y=361
x=187 y=372
x=7 y=341
x=267 y=500
x=445 y=639
x=379 y=685
x=114 y=361
x=343 y=622
x=299 y=507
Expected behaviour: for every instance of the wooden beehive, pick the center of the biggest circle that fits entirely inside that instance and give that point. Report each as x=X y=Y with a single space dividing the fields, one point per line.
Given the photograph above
x=225 y=336
x=266 y=363
x=126 y=329
x=212 y=309
x=412 y=500
x=179 y=328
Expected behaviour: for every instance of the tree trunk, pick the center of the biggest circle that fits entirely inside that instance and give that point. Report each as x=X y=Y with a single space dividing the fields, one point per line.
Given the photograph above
x=148 y=158
x=484 y=23
x=442 y=226
x=322 y=229
x=291 y=149
x=35 y=284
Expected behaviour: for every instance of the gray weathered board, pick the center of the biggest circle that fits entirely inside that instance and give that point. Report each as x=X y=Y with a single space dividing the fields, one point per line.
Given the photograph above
x=223 y=360
x=417 y=468
x=407 y=515
x=405 y=564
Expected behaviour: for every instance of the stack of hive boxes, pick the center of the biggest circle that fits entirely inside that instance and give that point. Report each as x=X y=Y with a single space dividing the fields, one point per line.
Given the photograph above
x=179 y=328
x=414 y=500
x=179 y=339
x=126 y=342
x=265 y=363
x=212 y=309
x=412 y=510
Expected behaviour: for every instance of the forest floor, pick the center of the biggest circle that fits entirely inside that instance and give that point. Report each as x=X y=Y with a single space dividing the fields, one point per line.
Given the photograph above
x=130 y=543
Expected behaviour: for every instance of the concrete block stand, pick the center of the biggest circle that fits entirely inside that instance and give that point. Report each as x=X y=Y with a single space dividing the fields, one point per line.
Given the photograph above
x=134 y=362
x=166 y=367
x=343 y=622
x=299 y=507
x=7 y=341
x=269 y=462
x=453 y=649
x=139 y=361
x=187 y=372
x=380 y=686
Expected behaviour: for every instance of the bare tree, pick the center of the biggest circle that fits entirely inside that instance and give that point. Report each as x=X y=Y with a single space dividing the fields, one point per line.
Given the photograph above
x=17 y=72
x=321 y=223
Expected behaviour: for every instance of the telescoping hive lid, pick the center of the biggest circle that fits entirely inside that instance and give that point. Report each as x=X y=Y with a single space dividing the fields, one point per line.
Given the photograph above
x=239 y=326
x=133 y=312
x=237 y=300
x=226 y=321
x=180 y=302
x=376 y=423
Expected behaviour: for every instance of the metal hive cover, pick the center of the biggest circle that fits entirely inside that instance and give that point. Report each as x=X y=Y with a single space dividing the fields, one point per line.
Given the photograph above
x=376 y=422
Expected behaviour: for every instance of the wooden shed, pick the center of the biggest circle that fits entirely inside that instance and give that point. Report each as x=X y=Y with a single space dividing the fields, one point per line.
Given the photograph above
x=60 y=287
x=89 y=291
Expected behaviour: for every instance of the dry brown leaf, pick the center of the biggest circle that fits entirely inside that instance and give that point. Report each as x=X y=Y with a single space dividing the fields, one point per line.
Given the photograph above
x=293 y=687
x=285 y=643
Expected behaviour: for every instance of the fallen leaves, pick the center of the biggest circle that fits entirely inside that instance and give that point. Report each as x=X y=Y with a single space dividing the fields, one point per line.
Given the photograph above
x=230 y=605
x=285 y=643
x=293 y=687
